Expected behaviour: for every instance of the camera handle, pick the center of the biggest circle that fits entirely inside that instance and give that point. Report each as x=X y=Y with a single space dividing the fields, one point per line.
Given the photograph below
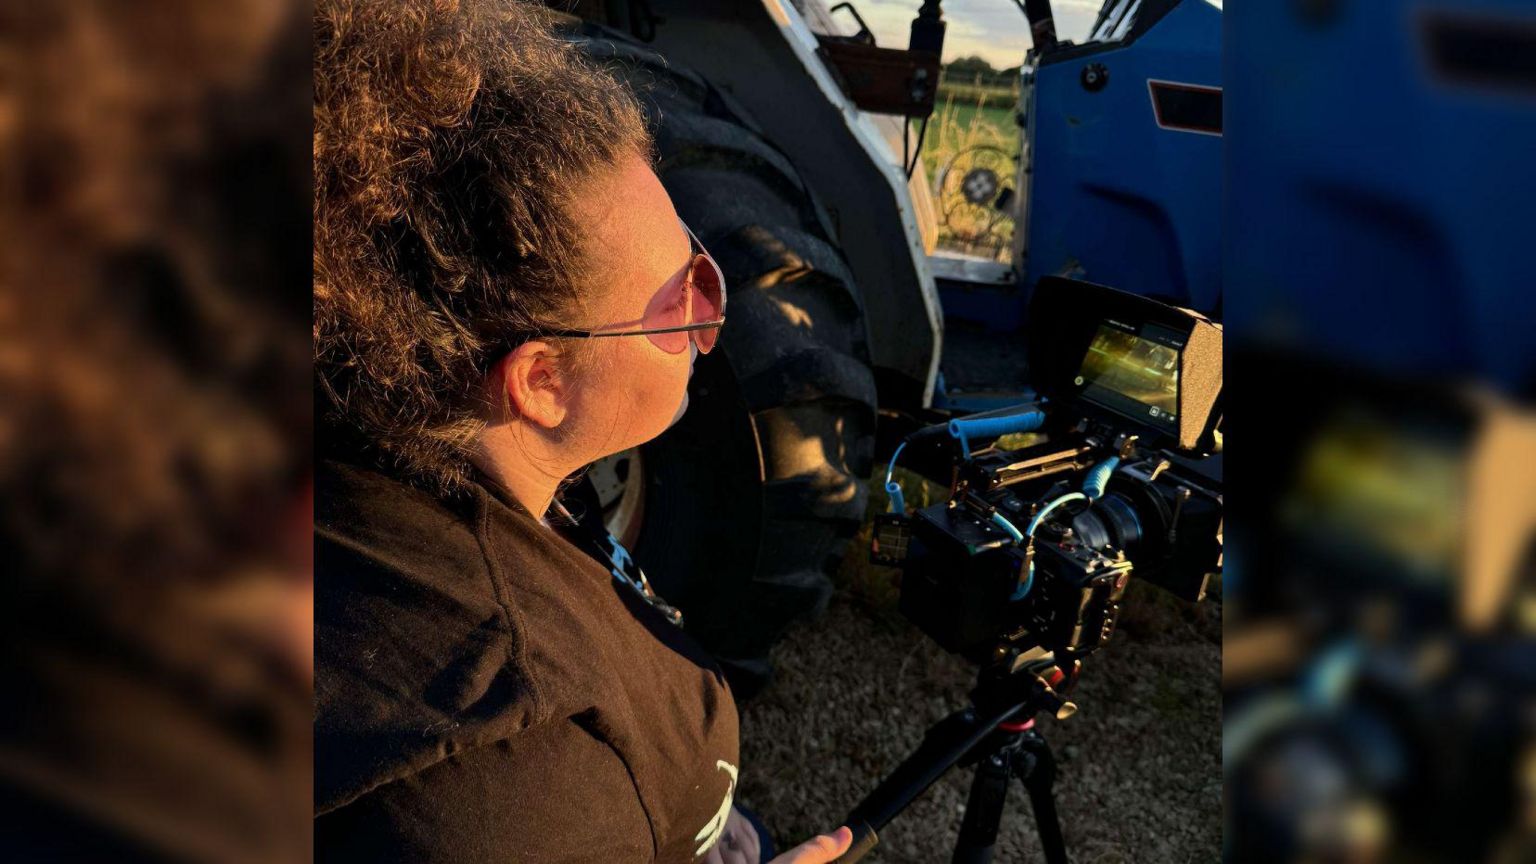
x=996 y=726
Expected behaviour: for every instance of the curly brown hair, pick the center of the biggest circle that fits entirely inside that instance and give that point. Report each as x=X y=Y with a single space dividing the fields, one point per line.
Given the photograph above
x=451 y=137
x=152 y=360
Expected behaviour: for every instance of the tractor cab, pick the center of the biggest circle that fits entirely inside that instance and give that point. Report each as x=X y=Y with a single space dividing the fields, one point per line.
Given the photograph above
x=1115 y=176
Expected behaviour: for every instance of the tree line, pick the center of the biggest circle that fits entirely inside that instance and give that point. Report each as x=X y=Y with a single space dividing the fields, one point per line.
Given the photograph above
x=975 y=70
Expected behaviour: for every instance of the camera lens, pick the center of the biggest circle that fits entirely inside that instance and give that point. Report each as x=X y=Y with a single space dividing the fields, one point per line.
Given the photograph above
x=1111 y=521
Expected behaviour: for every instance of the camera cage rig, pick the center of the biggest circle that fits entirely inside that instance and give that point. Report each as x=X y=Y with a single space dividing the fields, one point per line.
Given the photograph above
x=1129 y=400
x=1101 y=361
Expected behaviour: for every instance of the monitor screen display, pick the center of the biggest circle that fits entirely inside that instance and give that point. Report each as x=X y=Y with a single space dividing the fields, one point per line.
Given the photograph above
x=1133 y=371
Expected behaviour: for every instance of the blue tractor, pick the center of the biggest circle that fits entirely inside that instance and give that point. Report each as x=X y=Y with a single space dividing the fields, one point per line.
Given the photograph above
x=1378 y=156
x=1118 y=178
x=1124 y=155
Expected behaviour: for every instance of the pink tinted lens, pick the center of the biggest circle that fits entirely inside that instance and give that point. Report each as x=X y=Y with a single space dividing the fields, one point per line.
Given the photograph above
x=708 y=299
x=669 y=308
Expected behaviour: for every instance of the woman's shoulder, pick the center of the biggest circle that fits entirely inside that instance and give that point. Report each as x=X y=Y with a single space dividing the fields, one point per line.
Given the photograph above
x=416 y=651
x=369 y=510
x=409 y=559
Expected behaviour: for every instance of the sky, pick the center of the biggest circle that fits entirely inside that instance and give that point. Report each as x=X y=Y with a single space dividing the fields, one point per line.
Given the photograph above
x=994 y=30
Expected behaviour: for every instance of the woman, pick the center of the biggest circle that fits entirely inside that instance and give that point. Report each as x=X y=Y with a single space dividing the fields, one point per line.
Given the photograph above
x=492 y=683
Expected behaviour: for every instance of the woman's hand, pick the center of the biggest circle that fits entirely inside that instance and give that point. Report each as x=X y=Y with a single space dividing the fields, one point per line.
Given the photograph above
x=822 y=849
x=739 y=844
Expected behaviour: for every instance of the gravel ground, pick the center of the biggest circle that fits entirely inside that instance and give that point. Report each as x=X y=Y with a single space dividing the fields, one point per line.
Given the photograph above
x=1140 y=763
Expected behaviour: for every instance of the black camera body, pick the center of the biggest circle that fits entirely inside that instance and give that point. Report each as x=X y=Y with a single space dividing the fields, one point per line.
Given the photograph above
x=1040 y=536
x=963 y=600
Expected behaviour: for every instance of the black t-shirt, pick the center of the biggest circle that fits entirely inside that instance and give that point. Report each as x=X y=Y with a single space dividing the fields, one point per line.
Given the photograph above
x=488 y=692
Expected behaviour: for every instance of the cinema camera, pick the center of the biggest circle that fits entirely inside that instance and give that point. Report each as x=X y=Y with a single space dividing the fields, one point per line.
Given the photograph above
x=1036 y=543
x=1022 y=569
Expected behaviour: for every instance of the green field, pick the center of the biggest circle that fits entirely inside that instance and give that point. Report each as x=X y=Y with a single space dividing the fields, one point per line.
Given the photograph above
x=972 y=92
x=966 y=116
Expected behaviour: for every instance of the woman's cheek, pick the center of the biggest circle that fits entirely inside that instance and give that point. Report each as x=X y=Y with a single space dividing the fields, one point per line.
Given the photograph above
x=677 y=376
x=665 y=393
x=655 y=394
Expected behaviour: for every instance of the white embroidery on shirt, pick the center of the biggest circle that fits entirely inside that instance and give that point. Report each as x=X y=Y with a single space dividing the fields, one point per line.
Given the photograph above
x=710 y=833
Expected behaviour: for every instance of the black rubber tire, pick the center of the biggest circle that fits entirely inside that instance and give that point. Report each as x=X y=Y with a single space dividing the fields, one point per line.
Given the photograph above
x=752 y=496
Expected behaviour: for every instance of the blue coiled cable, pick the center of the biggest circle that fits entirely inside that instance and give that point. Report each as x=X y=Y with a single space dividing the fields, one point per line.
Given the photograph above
x=892 y=488
x=1097 y=479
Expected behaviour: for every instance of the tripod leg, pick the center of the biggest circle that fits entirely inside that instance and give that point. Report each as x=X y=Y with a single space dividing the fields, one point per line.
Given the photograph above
x=1038 y=771
x=983 y=811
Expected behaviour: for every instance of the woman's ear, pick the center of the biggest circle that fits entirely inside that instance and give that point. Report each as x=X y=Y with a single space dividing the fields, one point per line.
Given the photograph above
x=535 y=384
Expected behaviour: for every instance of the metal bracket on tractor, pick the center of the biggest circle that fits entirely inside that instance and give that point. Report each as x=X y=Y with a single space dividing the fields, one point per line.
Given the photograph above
x=883 y=80
x=888 y=80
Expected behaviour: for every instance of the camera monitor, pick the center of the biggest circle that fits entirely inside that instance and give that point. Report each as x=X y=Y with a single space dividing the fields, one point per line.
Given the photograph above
x=1129 y=358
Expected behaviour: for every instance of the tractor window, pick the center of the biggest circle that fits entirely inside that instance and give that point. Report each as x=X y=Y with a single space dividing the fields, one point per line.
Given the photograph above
x=1116 y=21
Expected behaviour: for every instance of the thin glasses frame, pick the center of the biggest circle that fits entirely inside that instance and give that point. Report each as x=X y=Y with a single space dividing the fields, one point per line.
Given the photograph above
x=696 y=250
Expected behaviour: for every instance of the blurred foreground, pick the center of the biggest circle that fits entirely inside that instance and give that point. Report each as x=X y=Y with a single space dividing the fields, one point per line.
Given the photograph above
x=154 y=432
x=1379 y=672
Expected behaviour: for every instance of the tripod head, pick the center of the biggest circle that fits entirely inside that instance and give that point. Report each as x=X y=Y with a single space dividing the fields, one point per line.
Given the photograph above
x=1036 y=681
x=1003 y=706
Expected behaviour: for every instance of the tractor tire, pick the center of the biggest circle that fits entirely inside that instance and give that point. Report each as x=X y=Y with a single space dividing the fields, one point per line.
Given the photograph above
x=749 y=500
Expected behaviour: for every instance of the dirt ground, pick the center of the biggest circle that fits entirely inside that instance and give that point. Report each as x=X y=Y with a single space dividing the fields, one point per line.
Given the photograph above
x=1140 y=763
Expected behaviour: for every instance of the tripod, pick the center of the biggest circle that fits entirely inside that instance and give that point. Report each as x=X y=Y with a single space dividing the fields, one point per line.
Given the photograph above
x=1024 y=755
x=995 y=734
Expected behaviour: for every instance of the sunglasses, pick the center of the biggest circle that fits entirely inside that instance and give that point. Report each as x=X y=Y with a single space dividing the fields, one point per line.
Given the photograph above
x=692 y=307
